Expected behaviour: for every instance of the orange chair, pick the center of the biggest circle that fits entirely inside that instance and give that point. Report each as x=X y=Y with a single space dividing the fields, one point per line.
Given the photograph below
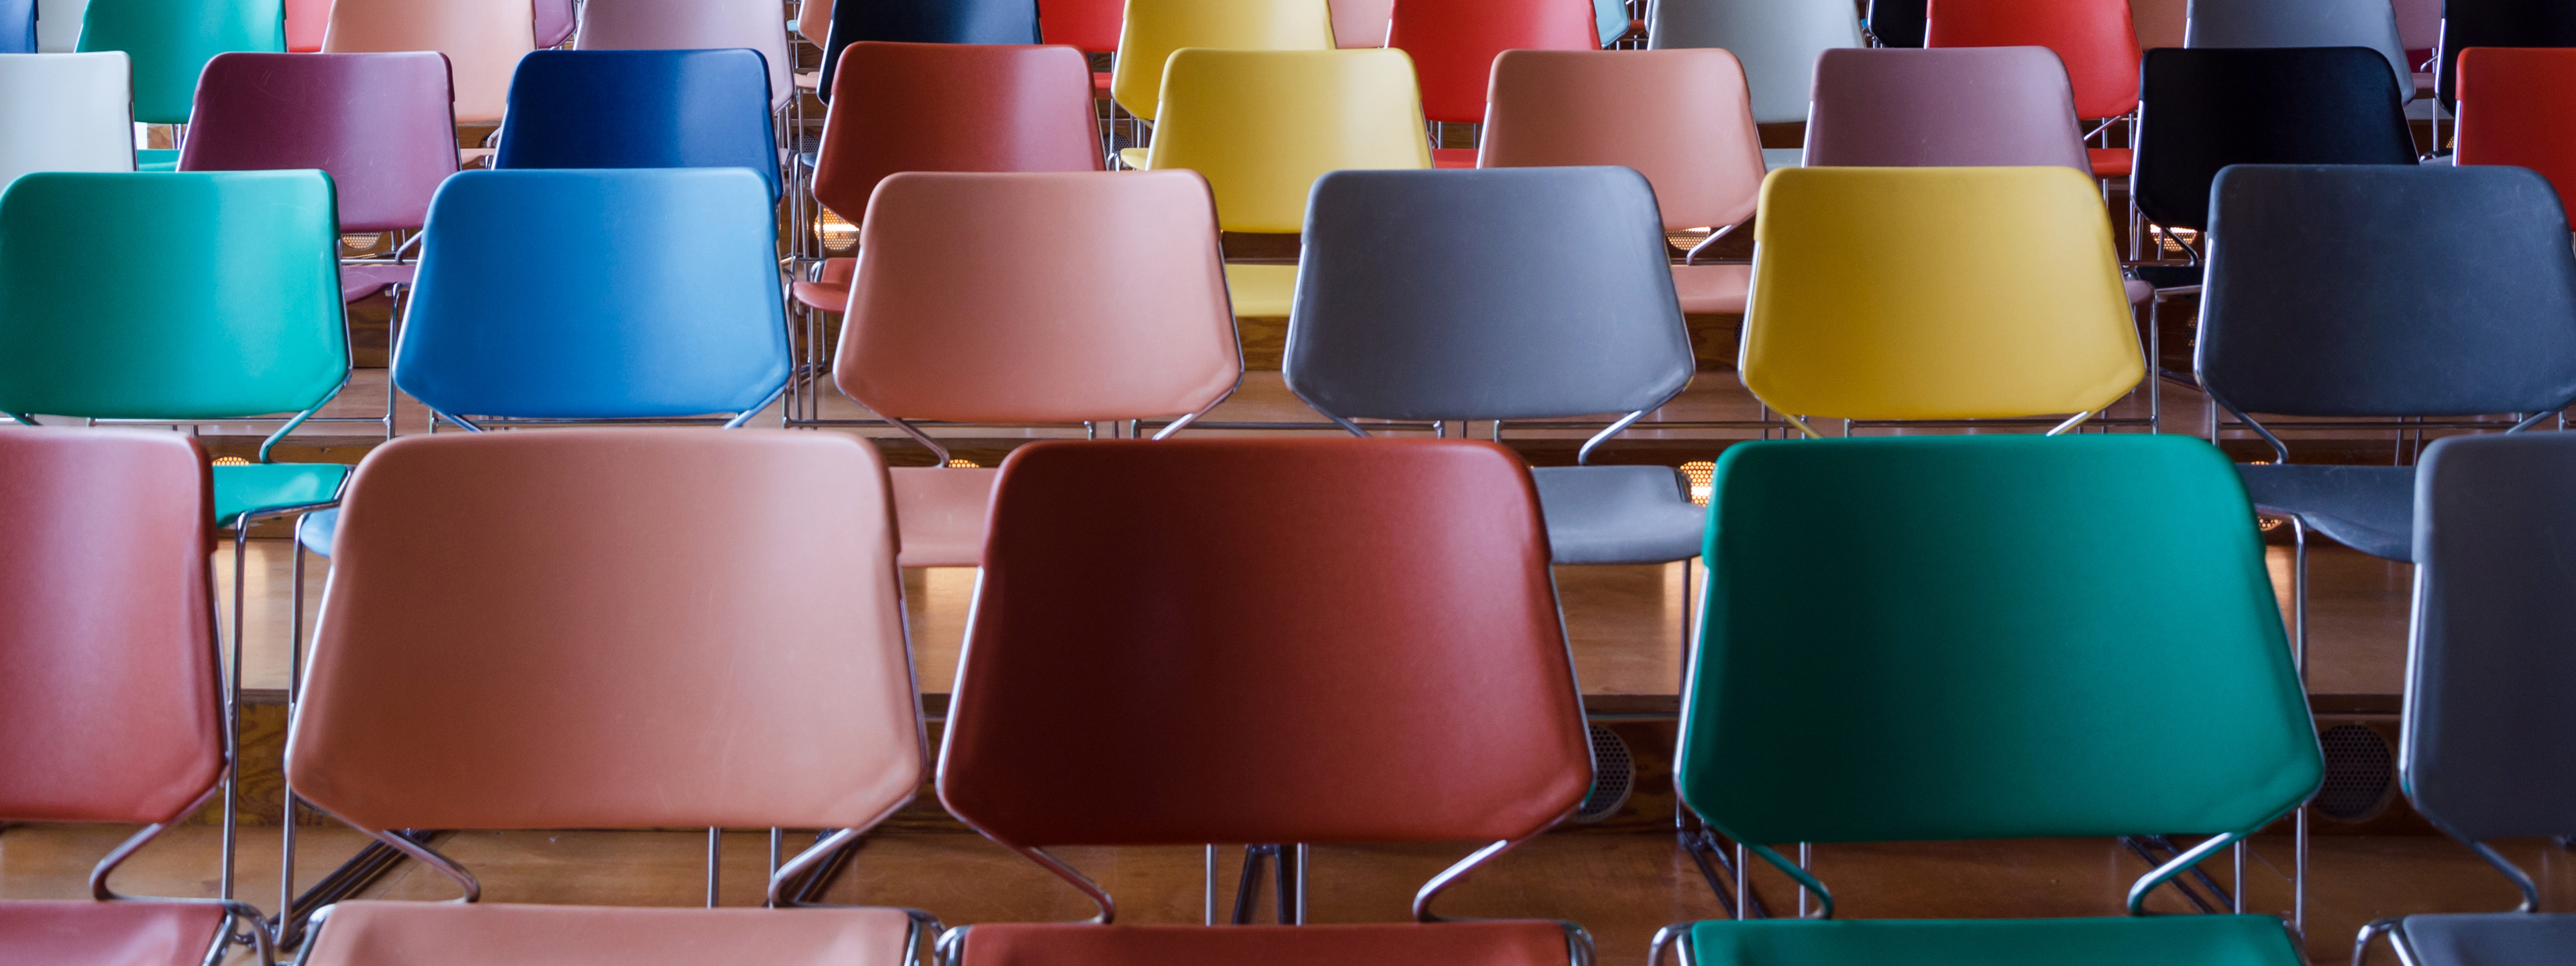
x=483 y=41
x=1112 y=306
x=1682 y=117
x=2518 y=93
x=1453 y=44
x=1270 y=641
x=611 y=628
x=2095 y=38
x=109 y=689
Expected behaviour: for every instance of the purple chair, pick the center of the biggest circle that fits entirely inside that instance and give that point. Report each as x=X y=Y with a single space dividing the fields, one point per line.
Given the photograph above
x=1947 y=107
x=555 y=20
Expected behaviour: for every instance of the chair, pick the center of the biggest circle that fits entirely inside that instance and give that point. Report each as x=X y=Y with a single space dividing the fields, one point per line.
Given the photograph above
x=641 y=109
x=1453 y=44
x=58 y=24
x=554 y=21
x=1361 y=23
x=64 y=112
x=1112 y=307
x=2487 y=753
x=2304 y=23
x=169 y=42
x=2419 y=28
x=1960 y=107
x=1156 y=28
x=925 y=22
x=18 y=27
x=2505 y=124
x=1090 y=26
x=1778 y=41
x=2166 y=23
x=306 y=23
x=110 y=688
x=1911 y=698
x=1897 y=23
x=1262 y=126
x=716 y=662
x=1680 y=117
x=483 y=41
x=2095 y=39
x=694 y=25
x=1454 y=713
x=2496 y=23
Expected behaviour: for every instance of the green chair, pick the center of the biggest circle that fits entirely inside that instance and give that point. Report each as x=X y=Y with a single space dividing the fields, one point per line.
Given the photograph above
x=238 y=319
x=170 y=41
x=1972 y=637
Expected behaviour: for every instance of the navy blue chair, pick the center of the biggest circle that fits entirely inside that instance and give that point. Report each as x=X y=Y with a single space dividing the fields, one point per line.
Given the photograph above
x=641 y=109
x=925 y=22
x=2496 y=23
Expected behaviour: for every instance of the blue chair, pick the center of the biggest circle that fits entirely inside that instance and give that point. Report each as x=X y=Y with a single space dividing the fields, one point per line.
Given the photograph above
x=924 y=22
x=14 y=14
x=641 y=109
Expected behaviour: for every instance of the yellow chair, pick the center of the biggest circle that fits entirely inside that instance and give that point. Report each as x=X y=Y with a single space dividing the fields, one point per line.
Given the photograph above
x=1153 y=29
x=1936 y=294
x=1261 y=126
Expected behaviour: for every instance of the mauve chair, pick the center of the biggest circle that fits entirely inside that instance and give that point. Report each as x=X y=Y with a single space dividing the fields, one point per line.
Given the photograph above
x=483 y=41
x=694 y=25
x=2094 y=38
x=1966 y=107
x=1453 y=44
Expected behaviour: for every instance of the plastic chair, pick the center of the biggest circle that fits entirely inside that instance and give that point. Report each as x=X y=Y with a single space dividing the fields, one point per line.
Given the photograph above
x=1156 y=28
x=925 y=22
x=2419 y=28
x=2303 y=23
x=1090 y=26
x=1944 y=692
x=2497 y=23
x=2166 y=23
x=1455 y=714
x=694 y=25
x=1898 y=23
x=554 y=21
x=1361 y=23
x=641 y=109
x=2487 y=753
x=1262 y=126
x=1952 y=107
x=483 y=41
x=1778 y=41
x=1453 y=44
x=602 y=628
x=169 y=42
x=64 y=112
x=1113 y=308
x=2517 y=89
x=2095 y=39
x=1682 y=118
x=18 y=27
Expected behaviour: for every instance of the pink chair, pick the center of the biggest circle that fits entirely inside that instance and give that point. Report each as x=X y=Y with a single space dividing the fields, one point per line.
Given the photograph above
x=693 y=25
x=483 y=41
x=1961 y=107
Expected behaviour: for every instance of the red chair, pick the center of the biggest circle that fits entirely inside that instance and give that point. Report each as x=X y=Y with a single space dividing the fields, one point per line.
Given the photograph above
x=2510 y=100
x=109 y=689
x=1453 y=44
x=2094 y=37
x=1090 y=26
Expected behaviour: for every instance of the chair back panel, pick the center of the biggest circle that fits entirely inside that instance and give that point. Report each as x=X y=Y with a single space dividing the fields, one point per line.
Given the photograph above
x=961 y=107
x=65 y=112
x=380 y=124
x=2516 y=91
x=170 y=42
x=1962 y=107
x=1453 y=44
x=554 y=22
x=483 y=41
x=1681 y=117
x=1898 y=24
x=925 y=22
x=1155 y=28
x=2206 y=109
x=695 y=25
x=1090 y=26
x=2497 y=23
x=641 y=109
x=2165 y=23
x=1778 y=41
x=1361 y=23
x=2303 y=23
x=2095 y=38
x=1262 y=126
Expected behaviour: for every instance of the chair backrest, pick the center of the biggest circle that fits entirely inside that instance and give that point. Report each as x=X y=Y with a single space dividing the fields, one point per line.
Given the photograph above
x=2164 y=23
x=1453 y=44
x=1263 y=125
x=170 y=41
x=2490 y=748
x=555 y=20
x=1502 y=293
x=694 y=25
x=2303 y=23
x=1155 y=28
x=962 y=107
x=2094 y=37
x=1114 y=305
x=17 y=26
x=2307 y=312
x=624 y=631
x=1090 y=26
x=380 y=124
x=65 y=112
x=2208 y=109
x=108 y=683
x=641 y=109
x=1898 y=23
x=1361 y=23
x=1914 y=698
x=2419 y=27
x=58 y=24
x=306 y=23
x=2497 y=23
x=244 y=318
x=2517 y=90
x=1680 y=117
x=925 y=22
x=1096 y=705
x=2019 y=312
x=483 y=41
x=1959 y=107
x=596 y=294
x=1777 y=40
x=814 y=21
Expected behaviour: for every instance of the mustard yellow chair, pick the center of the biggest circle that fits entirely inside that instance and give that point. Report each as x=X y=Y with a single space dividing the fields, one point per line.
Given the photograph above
x=1261 y=126
x=1153 y=29
x=1936 y=294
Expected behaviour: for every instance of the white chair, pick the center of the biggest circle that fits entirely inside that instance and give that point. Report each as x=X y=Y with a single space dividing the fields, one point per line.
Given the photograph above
x=65 y=112
x=58 y=25
x=693 y=25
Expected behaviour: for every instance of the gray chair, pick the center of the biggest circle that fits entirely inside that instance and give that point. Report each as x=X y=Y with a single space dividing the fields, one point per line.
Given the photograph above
x=2490 y=749
x=1778 y=41
x=2303 y=23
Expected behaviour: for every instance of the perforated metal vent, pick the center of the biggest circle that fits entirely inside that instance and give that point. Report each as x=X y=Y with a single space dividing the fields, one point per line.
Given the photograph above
x=2361 y=774
x=1614 y=775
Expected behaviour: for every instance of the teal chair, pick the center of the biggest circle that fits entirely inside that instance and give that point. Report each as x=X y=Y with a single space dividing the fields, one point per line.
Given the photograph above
x=169 y=42
x=1976 y=637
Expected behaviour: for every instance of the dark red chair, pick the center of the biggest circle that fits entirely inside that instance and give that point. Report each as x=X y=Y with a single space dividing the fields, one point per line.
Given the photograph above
x=1453 y=44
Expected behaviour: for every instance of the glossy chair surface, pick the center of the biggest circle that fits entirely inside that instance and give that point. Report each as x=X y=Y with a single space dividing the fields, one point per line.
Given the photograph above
x=379 y=124
x=1361 y=23
x=2165 y=23
x=641 y=109
x=2207 y=109
x=962 y=107
x=306 y=22
x=1155 y=28
x=483 y=41
x=554 y=21
x=2304 y=23
x=1090 y=26
x=694 y=25
x=169 y=42
x=1898 y=23
x=1453 y=44
x=58 y=24
x=18 y=27
x=2094 y=38
x=1778 y=41
x=2497 y=23
x=2506 y=98
x=1960 y=107
x=925 y=22
x=65 y=112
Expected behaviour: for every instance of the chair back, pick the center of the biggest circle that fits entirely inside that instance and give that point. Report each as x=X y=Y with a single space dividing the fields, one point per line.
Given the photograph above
x=1898 y=23
x=2517 y=90
x=2095 y=38
x=596 y=295
x=1263 y=125
x=2303 y=23
x=17 y=26
x=2307 y=310
x=962 y=107
x=2497 y=23
x=108 y=683
x=483 y=41
x=1155 y=28
x=306 y=23
x=380 y=124
x=65 y=112
x=2019 y=312
x=2419 y=27
x=169 y=42
x=641 y=109
x=611 y=628
x=1453 y=44
x=2166 y=23
x=1778 y=41
x=1680 y=117
x=58 y=24
x=1959 y=107
x=925 y=22
x=694 y=25
x=244 y=317
x=1147 y=653
x=1854 y=682
x=554 y=22
x=1090 y=26
x=2208 y=109
x=1361 y=23
x=1113 y=305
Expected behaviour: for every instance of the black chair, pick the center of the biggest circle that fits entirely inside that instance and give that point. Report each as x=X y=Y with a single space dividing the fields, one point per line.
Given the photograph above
x=1898 y=23
x=2497 y=23
x=2490 y=747
x=924 y=22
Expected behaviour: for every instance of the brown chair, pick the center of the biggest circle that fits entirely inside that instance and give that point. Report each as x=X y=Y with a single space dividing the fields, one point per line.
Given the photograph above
x=109 y=688
x=1270 y=641
x=611 y=628
x=1031 y=298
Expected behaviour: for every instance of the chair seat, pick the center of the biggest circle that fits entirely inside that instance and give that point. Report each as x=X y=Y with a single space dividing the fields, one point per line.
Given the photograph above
x=1261 y=290
x=1717 y=289
x=156 y=159
x=2367 y=508
x=809 y=80
x=1497 y=943
x=268 y=486
x=2123 y=941
x=2490 y=939
x=1774 y=159
x=320 y=527
x=939 y=514
x=1453 y=157
x=425 y=933
x=2140 y=290
x=1618 y=514
x=85 y=933
x=2108 y=162
x=831 y=292
x=1134 y=158
x=360 y=281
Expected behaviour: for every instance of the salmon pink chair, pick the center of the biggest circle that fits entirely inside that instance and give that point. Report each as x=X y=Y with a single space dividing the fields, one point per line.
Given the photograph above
x=555 y=21
x=483 y=41
x=2507 y=96
x=306 y=20
x=2095 y=38
x=1453 y=44
x=1090 y=26
x=1361 y=23
x=694 y=25
x=1030 y=298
